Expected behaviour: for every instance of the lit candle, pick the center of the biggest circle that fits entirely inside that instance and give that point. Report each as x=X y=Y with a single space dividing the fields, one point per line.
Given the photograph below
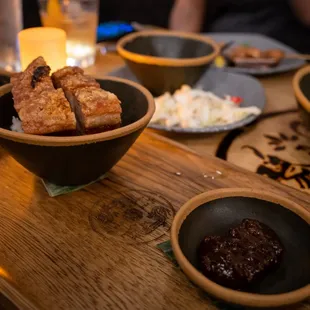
x=50 y=43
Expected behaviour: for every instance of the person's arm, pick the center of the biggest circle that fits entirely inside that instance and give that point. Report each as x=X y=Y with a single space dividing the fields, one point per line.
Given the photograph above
x=302 y=10
x=188 y=15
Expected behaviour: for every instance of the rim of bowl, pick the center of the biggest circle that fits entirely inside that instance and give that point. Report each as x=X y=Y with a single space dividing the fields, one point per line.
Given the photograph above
x=221 y=292
x=84 y=139
x=296 y=86
x=164 y=61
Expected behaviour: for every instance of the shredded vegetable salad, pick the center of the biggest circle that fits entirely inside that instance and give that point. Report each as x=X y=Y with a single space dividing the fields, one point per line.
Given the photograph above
x=195 y=108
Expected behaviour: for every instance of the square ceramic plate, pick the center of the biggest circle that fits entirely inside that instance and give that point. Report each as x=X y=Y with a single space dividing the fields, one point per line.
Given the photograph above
x=262 y=42
x=221 y=83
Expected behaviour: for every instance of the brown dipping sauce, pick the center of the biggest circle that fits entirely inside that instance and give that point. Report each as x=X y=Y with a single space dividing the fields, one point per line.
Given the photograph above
x=245 y=255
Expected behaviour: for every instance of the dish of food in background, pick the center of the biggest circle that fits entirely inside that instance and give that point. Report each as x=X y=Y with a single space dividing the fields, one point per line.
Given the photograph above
x=220 y=84
x=252 y=57
x=255 y=45
x=66 y=103
x=196 y=108
x=215 y=212
x=243 y=256
x=245 y=56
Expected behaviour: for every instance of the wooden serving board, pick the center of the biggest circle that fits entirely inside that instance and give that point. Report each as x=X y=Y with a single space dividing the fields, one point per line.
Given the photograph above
x=96 y=248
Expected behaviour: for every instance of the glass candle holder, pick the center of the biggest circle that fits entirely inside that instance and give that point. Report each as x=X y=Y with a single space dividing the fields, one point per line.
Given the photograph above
x=49 y=43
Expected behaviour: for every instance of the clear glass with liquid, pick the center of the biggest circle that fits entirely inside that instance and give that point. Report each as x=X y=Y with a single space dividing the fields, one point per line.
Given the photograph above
x=11 y=22
x=79 y=19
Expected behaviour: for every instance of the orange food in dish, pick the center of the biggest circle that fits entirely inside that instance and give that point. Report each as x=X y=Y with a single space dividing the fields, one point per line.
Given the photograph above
x=67 y=101
x=93 y=106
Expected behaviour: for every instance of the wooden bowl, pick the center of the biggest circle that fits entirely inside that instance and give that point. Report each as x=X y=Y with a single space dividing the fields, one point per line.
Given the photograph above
x=79 y=159
x=301 y=85
x=214 y=212
x=164 y=61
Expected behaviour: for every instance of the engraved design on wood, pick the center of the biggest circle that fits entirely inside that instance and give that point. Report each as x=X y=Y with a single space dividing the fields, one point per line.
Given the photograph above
x=280 y=148
x=135 y=216
x=283 y=171
x=279 y=169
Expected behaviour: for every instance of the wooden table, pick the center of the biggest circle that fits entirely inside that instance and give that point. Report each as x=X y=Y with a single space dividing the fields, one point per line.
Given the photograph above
x=96 y=248
x=276 y=146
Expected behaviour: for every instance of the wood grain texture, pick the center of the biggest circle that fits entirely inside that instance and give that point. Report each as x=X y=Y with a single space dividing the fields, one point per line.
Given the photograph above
x=96 y=248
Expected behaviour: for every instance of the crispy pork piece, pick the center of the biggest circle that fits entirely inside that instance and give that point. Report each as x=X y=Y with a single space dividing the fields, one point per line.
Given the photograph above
x=96 y=109
x=73 y=82
x=30 y=83
x=47 y=113
x=41 y=108
x=64 y=72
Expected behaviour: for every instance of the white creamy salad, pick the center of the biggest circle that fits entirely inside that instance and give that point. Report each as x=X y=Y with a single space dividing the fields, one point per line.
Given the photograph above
x=195 y=108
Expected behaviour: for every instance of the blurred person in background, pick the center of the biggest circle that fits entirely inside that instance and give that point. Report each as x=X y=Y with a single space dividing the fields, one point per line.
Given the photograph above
x=31 y=16
x=148 y=12
x=151 y=12
x=285 y=20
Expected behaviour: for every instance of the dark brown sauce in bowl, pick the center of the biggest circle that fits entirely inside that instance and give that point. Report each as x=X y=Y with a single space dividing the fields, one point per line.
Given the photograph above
x=218 y=213
x=245 y=255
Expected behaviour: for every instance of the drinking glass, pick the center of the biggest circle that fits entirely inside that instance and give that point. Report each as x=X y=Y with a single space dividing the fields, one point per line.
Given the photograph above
x=11 y=22
x=79 y=19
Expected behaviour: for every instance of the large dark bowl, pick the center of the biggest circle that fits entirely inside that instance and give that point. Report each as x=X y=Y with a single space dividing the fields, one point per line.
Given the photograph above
x=214 y=212
x=301 y=85
x=163 y=61
x=80 y=159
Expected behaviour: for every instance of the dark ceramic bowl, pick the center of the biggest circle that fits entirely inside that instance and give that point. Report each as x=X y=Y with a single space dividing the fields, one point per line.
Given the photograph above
x=80 y=159
x=214 y=212
x=301 y=85
x=164 y=61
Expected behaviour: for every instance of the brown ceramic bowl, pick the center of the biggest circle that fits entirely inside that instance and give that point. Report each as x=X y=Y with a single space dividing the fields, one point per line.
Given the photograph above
x=301 y=85
x=163 y=61
x=79 y=159
x=214 y=212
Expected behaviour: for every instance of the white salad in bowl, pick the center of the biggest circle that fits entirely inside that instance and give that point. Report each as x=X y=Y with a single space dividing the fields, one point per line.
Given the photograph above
x=196 y=108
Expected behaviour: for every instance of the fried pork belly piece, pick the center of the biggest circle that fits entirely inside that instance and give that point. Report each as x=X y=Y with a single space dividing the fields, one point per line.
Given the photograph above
x=73 y=82
x=41 y=108
x=49 y=112
x=30 y=83
x=97 y=107
x=64 y=72
x=94 y=107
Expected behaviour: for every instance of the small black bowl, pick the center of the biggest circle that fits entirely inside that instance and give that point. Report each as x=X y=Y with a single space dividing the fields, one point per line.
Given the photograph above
x=78 y=160
x=214 y=212
x=301 y=85
x=164 y=61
